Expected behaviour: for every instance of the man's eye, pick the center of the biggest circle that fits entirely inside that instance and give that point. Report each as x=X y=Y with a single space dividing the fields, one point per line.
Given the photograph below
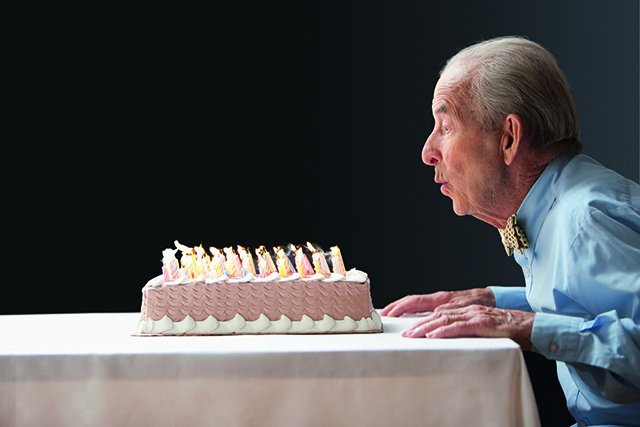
x=444 y=129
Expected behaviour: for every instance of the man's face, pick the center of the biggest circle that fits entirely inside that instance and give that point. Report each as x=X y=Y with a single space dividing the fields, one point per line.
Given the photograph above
x=466 y=159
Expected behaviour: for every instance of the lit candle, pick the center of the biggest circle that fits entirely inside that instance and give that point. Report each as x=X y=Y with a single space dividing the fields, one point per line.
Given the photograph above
x=272 y=265
x=336 y=260
x=319 y=261
x=186 y=259
x=233 y=264
x=182 y=248
x=201 y=261
x=265 y=262
x=285 y=268
x=188 y=262
x=247 y=260
x=217 y=268
x=302 y=263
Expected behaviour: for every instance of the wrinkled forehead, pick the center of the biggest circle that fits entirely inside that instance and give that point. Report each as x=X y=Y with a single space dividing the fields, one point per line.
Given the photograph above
x=450 y=94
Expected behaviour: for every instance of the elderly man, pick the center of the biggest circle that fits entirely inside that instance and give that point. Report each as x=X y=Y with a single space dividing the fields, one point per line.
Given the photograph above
x=505 y=150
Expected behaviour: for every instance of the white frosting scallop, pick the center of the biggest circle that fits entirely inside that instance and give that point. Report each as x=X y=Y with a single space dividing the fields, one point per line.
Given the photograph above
x=218 y=279
x=180 y=280
x=156 y=281
x=354 y=275
x=234 y=325
x=199 y=279
x=281 y=325
x=206 y=326
x=239 y=325
x=270 y=278
x=182 y=327
x=314 y=277
x=326 y=324
x=294 y=276
x=162 y=325
x=345 y=325
x=335 y=277
x=258 y=325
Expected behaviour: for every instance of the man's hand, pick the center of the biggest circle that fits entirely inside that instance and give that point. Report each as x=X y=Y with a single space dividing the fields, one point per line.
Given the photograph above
x=476 y=321
x=439 y=300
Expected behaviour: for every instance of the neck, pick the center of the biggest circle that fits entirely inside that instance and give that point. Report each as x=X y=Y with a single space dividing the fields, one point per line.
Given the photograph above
x=519 y=177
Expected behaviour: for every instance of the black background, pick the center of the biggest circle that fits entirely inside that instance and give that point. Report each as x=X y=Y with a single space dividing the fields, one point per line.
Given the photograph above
x=247 y=122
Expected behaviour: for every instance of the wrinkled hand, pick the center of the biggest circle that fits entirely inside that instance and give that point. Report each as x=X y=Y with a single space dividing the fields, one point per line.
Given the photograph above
x=476 y=321
x=439 y=300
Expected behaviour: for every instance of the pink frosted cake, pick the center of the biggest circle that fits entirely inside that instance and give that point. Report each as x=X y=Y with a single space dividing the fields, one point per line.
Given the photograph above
x=226 y=293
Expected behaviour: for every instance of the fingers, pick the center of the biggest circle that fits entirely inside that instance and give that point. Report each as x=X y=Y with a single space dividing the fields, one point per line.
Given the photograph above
x=416 y=304
x=408 y=304
x=450 y=322
x=450 y=306
x=453 y=330
x=476 y=321
x=398 y=307
x=433 y=323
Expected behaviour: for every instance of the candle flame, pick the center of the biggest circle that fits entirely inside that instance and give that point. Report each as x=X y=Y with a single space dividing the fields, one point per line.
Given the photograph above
x=247 y=260
x=184 y=249
x=238 y=262
x=265 y=262
x=233 y=263
x=285 y=268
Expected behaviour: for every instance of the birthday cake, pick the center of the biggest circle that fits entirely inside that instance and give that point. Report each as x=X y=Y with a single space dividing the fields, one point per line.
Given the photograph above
x=226 y=293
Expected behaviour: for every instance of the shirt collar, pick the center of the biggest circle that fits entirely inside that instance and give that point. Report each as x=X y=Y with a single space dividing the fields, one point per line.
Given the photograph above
x=540 y=199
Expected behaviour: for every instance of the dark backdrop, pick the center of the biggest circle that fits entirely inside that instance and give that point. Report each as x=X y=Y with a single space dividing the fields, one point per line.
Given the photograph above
x=246 y=122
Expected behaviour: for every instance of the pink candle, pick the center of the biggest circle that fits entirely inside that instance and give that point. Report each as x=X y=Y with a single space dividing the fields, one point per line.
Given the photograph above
x=336 y=260
x=169 y=265
x=302 y=264
x=233 y=264
x=247 y=260
x=202 y=261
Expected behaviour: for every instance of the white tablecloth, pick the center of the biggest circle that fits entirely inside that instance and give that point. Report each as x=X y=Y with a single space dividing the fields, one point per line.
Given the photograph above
x=87 y=370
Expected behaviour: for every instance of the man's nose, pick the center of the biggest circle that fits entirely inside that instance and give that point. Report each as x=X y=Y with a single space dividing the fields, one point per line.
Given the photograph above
x=430 y=155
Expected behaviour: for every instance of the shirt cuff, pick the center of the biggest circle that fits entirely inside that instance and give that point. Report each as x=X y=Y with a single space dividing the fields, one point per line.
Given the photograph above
x=511 y=297
x=556 y=336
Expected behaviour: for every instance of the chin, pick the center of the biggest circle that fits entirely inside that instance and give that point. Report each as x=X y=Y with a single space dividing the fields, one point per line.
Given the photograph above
x=458 y=209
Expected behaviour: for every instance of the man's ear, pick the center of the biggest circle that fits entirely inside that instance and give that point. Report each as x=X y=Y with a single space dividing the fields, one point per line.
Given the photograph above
x=512 y=136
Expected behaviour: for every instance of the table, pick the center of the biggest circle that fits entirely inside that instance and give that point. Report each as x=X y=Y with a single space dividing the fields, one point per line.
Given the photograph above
x=87 y=369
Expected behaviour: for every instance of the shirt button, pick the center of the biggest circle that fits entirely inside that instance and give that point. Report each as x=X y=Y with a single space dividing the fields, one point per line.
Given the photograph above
x=526 y=272
x=554 y=347
x=582 y=423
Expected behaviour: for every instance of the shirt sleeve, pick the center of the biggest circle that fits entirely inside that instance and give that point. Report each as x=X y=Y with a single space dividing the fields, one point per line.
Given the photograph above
x=511 y=297
x=607 y=347
x=604 y=266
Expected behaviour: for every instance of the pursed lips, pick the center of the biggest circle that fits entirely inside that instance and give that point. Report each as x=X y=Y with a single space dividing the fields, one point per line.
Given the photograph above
x=439 y=180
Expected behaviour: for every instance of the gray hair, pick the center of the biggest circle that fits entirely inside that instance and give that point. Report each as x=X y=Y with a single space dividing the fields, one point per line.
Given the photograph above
x=514 y=75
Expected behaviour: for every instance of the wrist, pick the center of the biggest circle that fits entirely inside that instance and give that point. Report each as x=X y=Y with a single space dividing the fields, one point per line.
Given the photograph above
x=490 y=297
x=524 y=328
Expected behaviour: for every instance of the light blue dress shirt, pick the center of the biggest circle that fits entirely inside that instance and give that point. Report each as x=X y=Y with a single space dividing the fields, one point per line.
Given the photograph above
x=582 y=277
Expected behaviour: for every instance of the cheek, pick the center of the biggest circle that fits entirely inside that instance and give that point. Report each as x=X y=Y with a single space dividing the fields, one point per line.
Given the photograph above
x=456 y=160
